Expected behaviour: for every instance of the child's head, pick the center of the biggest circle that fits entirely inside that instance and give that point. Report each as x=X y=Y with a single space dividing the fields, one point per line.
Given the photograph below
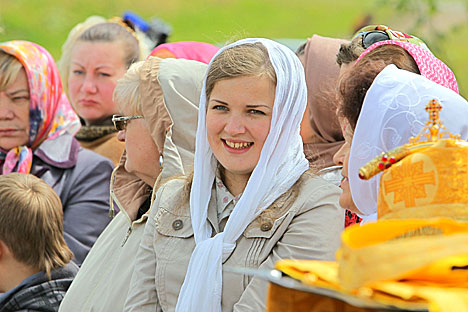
x=31 y=222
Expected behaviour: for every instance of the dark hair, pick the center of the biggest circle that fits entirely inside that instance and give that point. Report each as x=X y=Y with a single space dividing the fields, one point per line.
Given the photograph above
x=301 y=49
x=350 y=52
x=355 y=82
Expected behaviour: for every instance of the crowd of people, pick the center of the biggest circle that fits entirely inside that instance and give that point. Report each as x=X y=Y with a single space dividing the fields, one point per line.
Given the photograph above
x=130 y=178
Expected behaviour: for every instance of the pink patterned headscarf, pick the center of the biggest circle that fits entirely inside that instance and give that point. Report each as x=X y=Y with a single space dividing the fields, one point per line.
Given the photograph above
x=50 y=113
x=429 y=66
x=189 y=50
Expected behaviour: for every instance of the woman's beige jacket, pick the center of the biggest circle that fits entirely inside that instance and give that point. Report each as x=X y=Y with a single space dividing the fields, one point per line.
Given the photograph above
x=304 y=223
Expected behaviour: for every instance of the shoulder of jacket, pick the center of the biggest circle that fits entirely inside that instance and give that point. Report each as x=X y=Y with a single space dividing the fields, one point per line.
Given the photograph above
x=314 y=183
x=92 y=160
x=170 y=191
x=310 y=192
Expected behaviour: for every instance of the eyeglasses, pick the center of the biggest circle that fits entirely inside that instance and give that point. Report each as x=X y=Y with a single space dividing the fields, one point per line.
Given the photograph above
x=120 y=122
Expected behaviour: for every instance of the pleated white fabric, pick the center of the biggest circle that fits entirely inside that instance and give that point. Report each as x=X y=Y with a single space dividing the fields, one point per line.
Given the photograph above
x=281 y=163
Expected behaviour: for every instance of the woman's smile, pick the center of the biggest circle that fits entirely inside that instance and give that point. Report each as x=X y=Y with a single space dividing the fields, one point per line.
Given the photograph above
x=237 y=147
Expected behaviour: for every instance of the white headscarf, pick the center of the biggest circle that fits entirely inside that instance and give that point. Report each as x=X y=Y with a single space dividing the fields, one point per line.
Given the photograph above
x=392 y=112
x=281 y=163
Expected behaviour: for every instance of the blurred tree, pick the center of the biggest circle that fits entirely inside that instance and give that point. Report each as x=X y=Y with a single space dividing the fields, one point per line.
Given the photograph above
x=434 y=21
x=442 y=24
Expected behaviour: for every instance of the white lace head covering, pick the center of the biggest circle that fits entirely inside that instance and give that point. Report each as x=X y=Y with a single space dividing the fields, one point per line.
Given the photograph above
x=280 y=165
x=392 y=112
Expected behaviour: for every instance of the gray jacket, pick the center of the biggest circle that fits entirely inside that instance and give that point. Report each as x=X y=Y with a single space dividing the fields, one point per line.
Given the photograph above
x=81 y=178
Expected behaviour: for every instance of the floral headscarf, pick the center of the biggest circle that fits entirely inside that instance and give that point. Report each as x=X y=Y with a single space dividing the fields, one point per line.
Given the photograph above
x=50 y=113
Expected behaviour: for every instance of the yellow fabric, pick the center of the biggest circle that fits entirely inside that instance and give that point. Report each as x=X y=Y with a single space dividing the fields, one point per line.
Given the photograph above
x=404 y=249
x=405 y=263
x=407 y=259
x=311 y=272
x=429 y=183
x=402 y=294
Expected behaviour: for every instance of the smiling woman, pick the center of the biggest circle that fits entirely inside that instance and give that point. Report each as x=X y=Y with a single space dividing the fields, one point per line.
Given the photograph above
x=251 y=198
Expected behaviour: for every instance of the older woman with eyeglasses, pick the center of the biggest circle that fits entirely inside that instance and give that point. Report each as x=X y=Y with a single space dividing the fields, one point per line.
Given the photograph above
x=158 y=100
x=37 y=125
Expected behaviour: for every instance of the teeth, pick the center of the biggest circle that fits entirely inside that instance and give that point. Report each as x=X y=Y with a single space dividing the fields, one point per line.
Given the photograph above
x=238 y=145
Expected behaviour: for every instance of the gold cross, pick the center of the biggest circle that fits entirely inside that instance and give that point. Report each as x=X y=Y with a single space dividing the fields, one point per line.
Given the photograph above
x=433 y=108
x=433 y=126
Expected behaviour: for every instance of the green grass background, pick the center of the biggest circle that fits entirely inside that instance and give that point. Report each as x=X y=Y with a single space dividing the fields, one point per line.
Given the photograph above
x=48 y=22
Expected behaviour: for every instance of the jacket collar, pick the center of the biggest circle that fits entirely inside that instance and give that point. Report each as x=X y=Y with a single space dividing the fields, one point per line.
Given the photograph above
x=60 y=152
x=127 y=191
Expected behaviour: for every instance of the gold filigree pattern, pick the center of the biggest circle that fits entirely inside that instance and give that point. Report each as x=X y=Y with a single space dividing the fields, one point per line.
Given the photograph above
x=408 y=183
x=447 y=159
x=433 y=125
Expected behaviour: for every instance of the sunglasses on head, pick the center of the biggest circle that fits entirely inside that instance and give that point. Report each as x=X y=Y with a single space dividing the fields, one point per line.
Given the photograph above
x=375 y=33
x=120 y=122
x=373 y=36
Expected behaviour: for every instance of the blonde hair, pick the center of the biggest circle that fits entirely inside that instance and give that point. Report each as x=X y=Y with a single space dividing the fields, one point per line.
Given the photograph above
x=31 y=222
x=98 y=29
x=111 y=32
x=242 y=60
x=127 y=90
x=10 y=67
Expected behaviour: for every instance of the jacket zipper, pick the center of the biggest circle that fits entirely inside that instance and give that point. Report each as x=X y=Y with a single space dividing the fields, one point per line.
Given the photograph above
x=127 y=235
